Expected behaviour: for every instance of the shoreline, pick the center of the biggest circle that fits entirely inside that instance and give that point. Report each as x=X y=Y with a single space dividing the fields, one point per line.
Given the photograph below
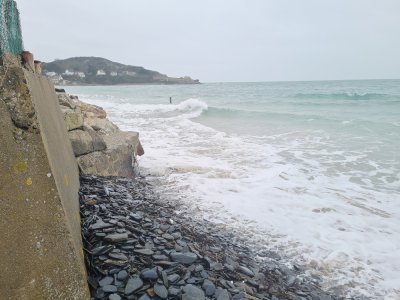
x=143 y=233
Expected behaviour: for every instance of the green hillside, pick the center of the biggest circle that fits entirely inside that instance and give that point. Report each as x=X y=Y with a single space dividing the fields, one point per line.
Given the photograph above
x=100 y=71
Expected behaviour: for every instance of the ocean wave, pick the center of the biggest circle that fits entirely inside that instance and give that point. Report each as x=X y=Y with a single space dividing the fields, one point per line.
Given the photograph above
x=347 y=96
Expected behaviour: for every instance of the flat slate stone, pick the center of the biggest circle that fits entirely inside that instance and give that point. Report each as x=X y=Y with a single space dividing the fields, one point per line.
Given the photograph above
x=245 y=271
x=114 y=297
x=223 y=295
x=116 y=237
x=133 y=285
x=122 y=275
x=209 y=287
x=144 y=251
x=106 y=281
x=109 y=288
x=161 y=291
x=184 y=258
x=150 y=274
x=192 y=292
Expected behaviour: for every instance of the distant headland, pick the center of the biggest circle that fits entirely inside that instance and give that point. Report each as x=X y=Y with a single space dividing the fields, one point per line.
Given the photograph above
x=101 y=71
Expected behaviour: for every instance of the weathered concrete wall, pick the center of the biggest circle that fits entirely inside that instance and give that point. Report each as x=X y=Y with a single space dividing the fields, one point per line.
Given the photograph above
x=41 y=248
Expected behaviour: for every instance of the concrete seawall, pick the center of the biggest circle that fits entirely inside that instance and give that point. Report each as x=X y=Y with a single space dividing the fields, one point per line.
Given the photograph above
x=40 y=234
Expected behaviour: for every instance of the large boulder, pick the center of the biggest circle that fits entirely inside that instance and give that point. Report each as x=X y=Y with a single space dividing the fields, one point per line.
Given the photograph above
x=73 y=120
x=117 y=159
x=103 y=126
x=86 y=141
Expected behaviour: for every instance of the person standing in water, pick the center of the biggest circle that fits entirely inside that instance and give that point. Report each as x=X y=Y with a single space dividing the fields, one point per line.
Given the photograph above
x=170 y=100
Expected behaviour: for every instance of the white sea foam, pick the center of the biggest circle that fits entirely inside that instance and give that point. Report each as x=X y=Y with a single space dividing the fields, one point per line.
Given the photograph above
x=336 y=211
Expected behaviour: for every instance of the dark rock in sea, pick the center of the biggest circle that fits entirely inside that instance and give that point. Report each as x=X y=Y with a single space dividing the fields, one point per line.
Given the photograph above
x=184 y=258
x=192 y=292
x=149 y=274
x=209 y=287
x=133 y=285
x=161 y=291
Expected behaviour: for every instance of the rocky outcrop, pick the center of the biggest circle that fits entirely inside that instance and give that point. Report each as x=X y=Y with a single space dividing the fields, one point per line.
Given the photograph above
x=99 y=146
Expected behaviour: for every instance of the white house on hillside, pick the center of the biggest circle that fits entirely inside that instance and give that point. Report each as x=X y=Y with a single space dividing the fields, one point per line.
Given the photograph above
x=114 y=74
x=129 y=73
x=100 y=73
x=80 y=74
x=68 y=72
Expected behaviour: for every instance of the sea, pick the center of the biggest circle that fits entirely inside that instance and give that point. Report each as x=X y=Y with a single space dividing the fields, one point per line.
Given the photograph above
x=309 y=170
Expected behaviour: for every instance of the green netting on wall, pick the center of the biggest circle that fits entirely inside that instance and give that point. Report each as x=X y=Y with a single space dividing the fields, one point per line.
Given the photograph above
x=10 y=28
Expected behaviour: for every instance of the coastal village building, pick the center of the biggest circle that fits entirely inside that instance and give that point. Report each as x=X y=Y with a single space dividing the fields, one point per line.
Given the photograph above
x=101 y=73
x=68 y=73
x=114 y=74
x=80 y=74
x=129 y=73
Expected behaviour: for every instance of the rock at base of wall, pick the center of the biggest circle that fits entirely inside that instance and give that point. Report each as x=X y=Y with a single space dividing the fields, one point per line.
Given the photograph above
x=103 y=126
x=72 y=119
x=84 y=142
x=116 y=160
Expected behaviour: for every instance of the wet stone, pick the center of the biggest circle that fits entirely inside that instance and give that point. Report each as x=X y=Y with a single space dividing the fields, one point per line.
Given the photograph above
x=149 y=274
x=174 y=292
x=122 y=275
x=223 y=295
x=144 y=297
x=245 y=271
x=161 y=291
x=173 y=278
x=109 y=288
x=116 y=237
x=106 y=281
x=144 y=251
x=209 y=287
x=184 y=258
x=133 y=285
x=192 y=292
x=114 y=297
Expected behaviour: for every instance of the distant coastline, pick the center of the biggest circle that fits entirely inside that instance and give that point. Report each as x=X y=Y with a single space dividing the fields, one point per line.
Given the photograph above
x=80 y=71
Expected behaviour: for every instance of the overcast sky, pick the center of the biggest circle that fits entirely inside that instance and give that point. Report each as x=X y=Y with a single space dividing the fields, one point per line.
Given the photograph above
x=223 y=40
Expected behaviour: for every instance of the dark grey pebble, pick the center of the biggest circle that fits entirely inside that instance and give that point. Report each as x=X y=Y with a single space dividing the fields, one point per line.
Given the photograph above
x=144 y=297
x=109 y=288
x=143 y=251
x=122 y=275
x=174 y=292
x=173 y=278
x=217 y=266
x=133 y=285
x=192 y=292
x=184 y=258
x=149 y=274
x=209 y=287
x=114 y=297
x=106 y=281
x=160 y=257
x=245 y=271
x=116 y=237
x=161 y=291
x=223 y=295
